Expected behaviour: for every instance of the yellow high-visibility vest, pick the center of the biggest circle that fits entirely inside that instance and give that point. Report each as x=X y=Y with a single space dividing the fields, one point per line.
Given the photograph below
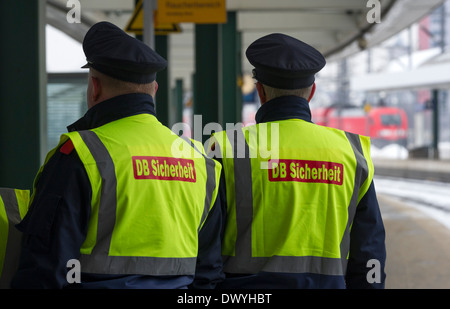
x=151 y=193
x=292 y=191
x=13 y=208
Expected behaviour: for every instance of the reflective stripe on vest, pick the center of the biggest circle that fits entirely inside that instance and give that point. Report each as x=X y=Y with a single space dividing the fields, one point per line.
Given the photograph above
x=361 y=175
x=243 y=261
x=211 y=180
x=99 y=260
x=13 y=207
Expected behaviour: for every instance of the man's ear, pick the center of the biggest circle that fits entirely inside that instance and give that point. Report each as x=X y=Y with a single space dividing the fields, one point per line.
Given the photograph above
x=96 y=88
x=261 y=92
x=312 y=92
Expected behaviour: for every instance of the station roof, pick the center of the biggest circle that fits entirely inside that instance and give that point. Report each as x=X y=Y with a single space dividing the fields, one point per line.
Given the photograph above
x=427 y=74
x=338 y=28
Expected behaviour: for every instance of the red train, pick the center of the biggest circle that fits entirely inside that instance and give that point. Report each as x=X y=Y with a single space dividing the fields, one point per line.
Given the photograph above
x=384 y=125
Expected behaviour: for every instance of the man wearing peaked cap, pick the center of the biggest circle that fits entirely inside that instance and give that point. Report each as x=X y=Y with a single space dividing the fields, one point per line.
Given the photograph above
x=300 y=203
x=284 y=62
x=112 y=196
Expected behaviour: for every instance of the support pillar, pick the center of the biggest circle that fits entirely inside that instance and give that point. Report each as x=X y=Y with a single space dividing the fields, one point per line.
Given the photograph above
x=162 y=95
x=206 y=86
x=230 y=72
x=435 y=103
x=178 y=98
x=23 y=78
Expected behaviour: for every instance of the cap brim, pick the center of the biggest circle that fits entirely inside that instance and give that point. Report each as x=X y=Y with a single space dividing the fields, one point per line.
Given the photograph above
x=86 y=66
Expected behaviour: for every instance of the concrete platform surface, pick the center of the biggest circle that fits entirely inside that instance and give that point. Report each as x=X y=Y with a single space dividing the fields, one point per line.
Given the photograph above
x=418 y=247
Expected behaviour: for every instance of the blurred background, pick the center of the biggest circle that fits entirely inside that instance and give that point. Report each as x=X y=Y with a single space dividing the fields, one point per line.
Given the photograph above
x=388 y=81
x=362 y=82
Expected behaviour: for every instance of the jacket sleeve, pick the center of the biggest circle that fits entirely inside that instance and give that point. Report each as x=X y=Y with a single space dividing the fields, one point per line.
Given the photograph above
x=55 y=225
x=209 y=261
x=367 y=255
x=209 y=270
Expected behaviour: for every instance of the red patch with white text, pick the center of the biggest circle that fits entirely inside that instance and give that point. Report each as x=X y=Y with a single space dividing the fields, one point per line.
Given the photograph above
x=164 y=168
x=306 y=171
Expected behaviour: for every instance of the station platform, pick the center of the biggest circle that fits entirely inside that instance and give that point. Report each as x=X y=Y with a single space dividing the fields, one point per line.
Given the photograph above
x=417 y=246
x=423 y=169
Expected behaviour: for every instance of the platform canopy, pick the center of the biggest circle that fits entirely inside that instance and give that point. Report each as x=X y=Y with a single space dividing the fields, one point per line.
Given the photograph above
x=338 y=28
x=428 y=74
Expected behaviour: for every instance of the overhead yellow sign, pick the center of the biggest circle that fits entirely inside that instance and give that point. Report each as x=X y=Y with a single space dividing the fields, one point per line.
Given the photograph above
x=136 y=23
x=192 y=11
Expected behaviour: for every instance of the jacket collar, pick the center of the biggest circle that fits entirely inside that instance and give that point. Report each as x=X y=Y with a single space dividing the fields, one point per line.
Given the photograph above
x=113 y=109
x=282 y=108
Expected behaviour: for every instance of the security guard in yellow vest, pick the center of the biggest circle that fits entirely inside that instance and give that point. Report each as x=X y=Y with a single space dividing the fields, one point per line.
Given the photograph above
x=122 y=202
x=301 y=209
x=13 y=207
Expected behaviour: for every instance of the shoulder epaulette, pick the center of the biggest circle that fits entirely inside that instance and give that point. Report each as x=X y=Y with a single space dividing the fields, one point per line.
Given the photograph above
x=67 y=147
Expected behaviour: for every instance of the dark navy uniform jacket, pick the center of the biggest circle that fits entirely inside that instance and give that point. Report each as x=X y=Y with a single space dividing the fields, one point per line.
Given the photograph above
x=367 y=232
x=56 y=224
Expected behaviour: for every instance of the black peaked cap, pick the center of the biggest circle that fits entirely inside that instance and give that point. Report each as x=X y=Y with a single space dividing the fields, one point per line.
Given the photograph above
x=113 y=52
x=284 y=62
